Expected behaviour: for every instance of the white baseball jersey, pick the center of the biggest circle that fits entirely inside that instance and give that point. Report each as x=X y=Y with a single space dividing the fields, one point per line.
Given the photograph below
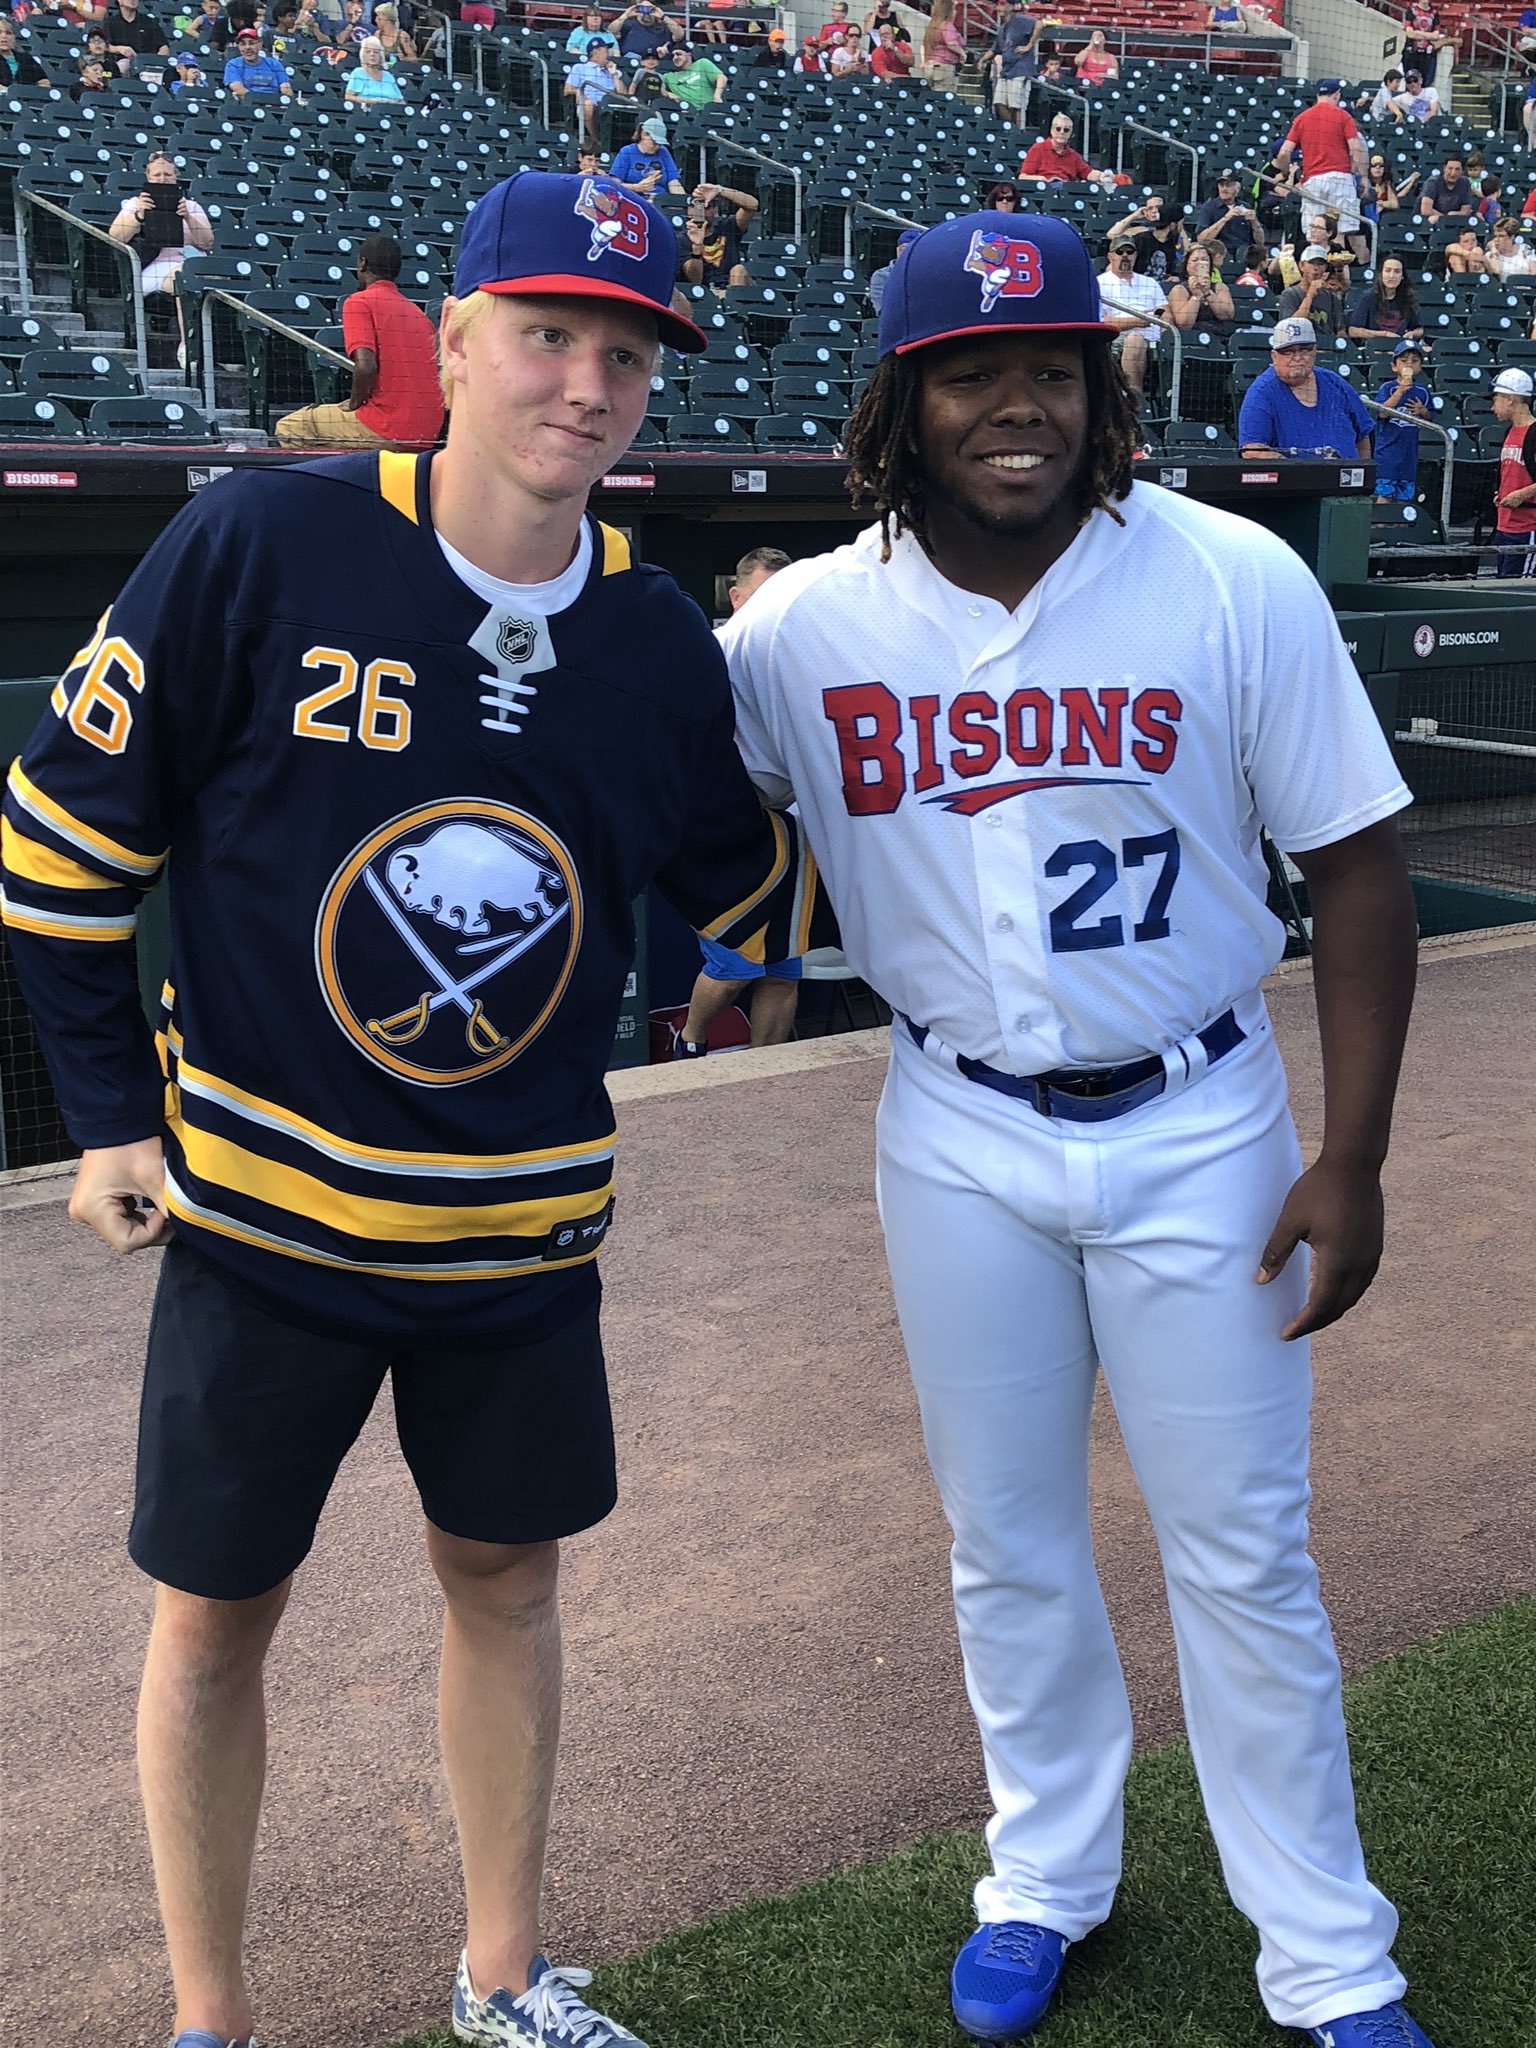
x=1040 y=829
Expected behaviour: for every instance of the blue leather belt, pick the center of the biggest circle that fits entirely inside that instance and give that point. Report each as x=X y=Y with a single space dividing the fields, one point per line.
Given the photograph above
x=1092 y=1095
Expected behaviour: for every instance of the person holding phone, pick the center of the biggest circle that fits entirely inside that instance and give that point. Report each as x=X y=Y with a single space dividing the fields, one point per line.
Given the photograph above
x=163 y=222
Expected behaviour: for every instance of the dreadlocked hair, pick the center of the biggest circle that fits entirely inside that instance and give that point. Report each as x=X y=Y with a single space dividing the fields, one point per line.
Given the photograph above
x=882 y=450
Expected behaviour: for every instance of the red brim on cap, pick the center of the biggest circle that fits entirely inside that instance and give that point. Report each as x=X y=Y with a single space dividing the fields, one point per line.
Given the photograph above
x=904 y=348
x=675 y=330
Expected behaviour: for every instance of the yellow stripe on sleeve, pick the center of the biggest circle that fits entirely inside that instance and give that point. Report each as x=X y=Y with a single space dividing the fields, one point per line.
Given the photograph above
x=300 y=1194
x=765 y=888
x=35 y=862
x=74 y=829
x=49 y=924
x=616 y=554
x=397 y=482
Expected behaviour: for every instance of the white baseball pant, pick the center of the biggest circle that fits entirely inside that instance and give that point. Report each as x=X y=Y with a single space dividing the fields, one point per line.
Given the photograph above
x=1025 y=1252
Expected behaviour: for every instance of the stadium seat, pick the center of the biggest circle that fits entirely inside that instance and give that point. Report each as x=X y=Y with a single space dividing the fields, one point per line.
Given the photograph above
x=147 y=419
x=1197 y=437
x=706 y=430
x=23 y=334
x=37 y=419
x=718 y=391
x=813 y=356
x=75 y=378
x=794 y=430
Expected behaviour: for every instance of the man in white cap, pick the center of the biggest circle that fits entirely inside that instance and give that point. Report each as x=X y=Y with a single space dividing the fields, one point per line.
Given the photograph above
x=1315 y=298
x=1295 y=408
x=1515 y=495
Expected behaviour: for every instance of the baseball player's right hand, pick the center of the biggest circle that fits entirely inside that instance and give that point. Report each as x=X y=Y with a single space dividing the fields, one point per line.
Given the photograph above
x=120 y=1192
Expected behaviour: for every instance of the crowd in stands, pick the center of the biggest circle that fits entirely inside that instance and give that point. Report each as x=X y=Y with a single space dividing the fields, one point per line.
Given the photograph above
x=1287 y=235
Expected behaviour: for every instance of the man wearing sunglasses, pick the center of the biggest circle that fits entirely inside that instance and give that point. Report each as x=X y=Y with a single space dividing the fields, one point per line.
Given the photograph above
x=395 y=396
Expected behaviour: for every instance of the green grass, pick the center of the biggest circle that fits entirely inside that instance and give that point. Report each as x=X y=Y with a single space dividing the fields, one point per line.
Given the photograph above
x=1444 y=1744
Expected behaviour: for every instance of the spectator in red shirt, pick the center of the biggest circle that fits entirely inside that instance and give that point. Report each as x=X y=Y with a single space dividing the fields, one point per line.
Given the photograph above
x=1096 y=62
x=1333 y=162
x=832 y=31
x=889 y=58
x=1054 y=157
x=395 y=392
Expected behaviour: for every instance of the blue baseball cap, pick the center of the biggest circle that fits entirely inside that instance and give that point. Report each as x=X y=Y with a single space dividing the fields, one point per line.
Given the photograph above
x=991 y=271
x=557 y=234
x=1408 y=348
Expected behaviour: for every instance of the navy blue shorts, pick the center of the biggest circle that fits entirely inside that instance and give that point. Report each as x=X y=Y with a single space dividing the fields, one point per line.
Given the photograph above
x=245 y=1420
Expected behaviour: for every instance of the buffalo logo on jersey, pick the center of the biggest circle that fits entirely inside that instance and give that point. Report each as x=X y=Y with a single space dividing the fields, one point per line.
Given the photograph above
x=1008 y=269
x=619 y=225
x=886 y=748
x=447 y=937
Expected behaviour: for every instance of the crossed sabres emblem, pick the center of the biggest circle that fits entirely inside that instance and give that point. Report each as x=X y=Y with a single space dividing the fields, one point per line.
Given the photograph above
x=454 y=877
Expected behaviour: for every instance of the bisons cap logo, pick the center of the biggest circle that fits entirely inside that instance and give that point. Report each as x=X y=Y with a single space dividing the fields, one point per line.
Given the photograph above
x=447 y=937
x=619 y=225
x=1424 y=641
x=1008 y=269
x=517 y=639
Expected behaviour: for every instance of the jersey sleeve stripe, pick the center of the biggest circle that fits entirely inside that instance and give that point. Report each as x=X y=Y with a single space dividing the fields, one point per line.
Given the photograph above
x=805 y=897
x=258 y=1111
x=297 y=1194
x=616 y=554
x=142 y=867
x=32 y=861
x=722 y=924
x=52 y=924
x=182 y=1205
x=397 y=482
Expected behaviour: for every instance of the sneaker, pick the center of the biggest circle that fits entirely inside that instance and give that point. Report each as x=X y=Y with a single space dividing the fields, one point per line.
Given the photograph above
x=199 y=2037
x=688 y=1048
x=1388 y=2026
x=1004 y=1978
x=547 y=2015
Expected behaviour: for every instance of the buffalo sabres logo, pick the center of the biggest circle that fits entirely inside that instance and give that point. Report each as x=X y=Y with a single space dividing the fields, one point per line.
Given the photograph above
x=447 y=937
x=1008 y=269
x=517 y=639
x=619 y=224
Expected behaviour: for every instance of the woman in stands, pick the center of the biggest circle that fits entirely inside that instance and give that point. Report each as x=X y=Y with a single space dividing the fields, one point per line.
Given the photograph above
x=1097 y=62
x=1385 y=196
x=943 y=47
x=398 y=47
x=1199 y=298
x=162 y=235
x=370 y=81
x=1386 y=305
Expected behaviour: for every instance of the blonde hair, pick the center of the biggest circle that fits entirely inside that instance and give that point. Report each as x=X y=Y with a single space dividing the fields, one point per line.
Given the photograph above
x=461 y=323
x=385 y=12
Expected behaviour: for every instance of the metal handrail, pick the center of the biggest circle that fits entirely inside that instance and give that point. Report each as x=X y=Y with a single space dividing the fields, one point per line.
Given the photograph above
x=215 y=295
x=881 y=213
x=1176 y=376
x=1432 y=427
x=740 y=149
x=1172 y=142
x=1493 y=39
x=84 y=227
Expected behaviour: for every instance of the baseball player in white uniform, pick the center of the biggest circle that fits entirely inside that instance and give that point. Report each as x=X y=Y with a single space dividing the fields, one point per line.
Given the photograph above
x=1035 y=719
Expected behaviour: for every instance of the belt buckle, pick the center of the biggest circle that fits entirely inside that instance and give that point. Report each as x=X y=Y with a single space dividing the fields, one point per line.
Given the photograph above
x=1042 y=1089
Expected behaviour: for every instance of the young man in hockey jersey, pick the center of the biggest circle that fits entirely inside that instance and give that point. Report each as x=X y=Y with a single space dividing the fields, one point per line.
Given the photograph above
x=402 y=851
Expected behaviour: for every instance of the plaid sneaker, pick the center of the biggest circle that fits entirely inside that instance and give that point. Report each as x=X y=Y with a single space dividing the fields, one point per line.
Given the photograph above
x=549 y=2014
x=199 y=2037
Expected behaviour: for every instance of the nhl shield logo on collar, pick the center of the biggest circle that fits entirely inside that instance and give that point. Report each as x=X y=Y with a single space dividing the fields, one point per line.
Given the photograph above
x=446 y=939
x=516 y=640
x=1008 y=269
x=619 y=225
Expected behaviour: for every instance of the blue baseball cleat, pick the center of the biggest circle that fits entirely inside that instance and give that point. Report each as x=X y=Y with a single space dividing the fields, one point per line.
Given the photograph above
x=1388 y=2026
x=1004 y=1977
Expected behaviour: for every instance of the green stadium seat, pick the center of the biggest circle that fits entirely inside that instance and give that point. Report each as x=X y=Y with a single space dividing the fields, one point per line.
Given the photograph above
x=37 y=419
x=148 y=419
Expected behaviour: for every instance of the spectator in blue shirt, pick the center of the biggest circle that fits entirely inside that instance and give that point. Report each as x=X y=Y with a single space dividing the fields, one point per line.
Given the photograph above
x=1295 y=408
x=593 y=81
x=644 y=27
x=370 y=81
x=581 y=38
x=1397 y=439
x=646 y=163
x=1012 y=60
x=248 y=72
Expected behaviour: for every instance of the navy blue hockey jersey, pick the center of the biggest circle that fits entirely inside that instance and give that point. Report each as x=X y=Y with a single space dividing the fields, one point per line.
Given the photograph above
x=403 y=832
